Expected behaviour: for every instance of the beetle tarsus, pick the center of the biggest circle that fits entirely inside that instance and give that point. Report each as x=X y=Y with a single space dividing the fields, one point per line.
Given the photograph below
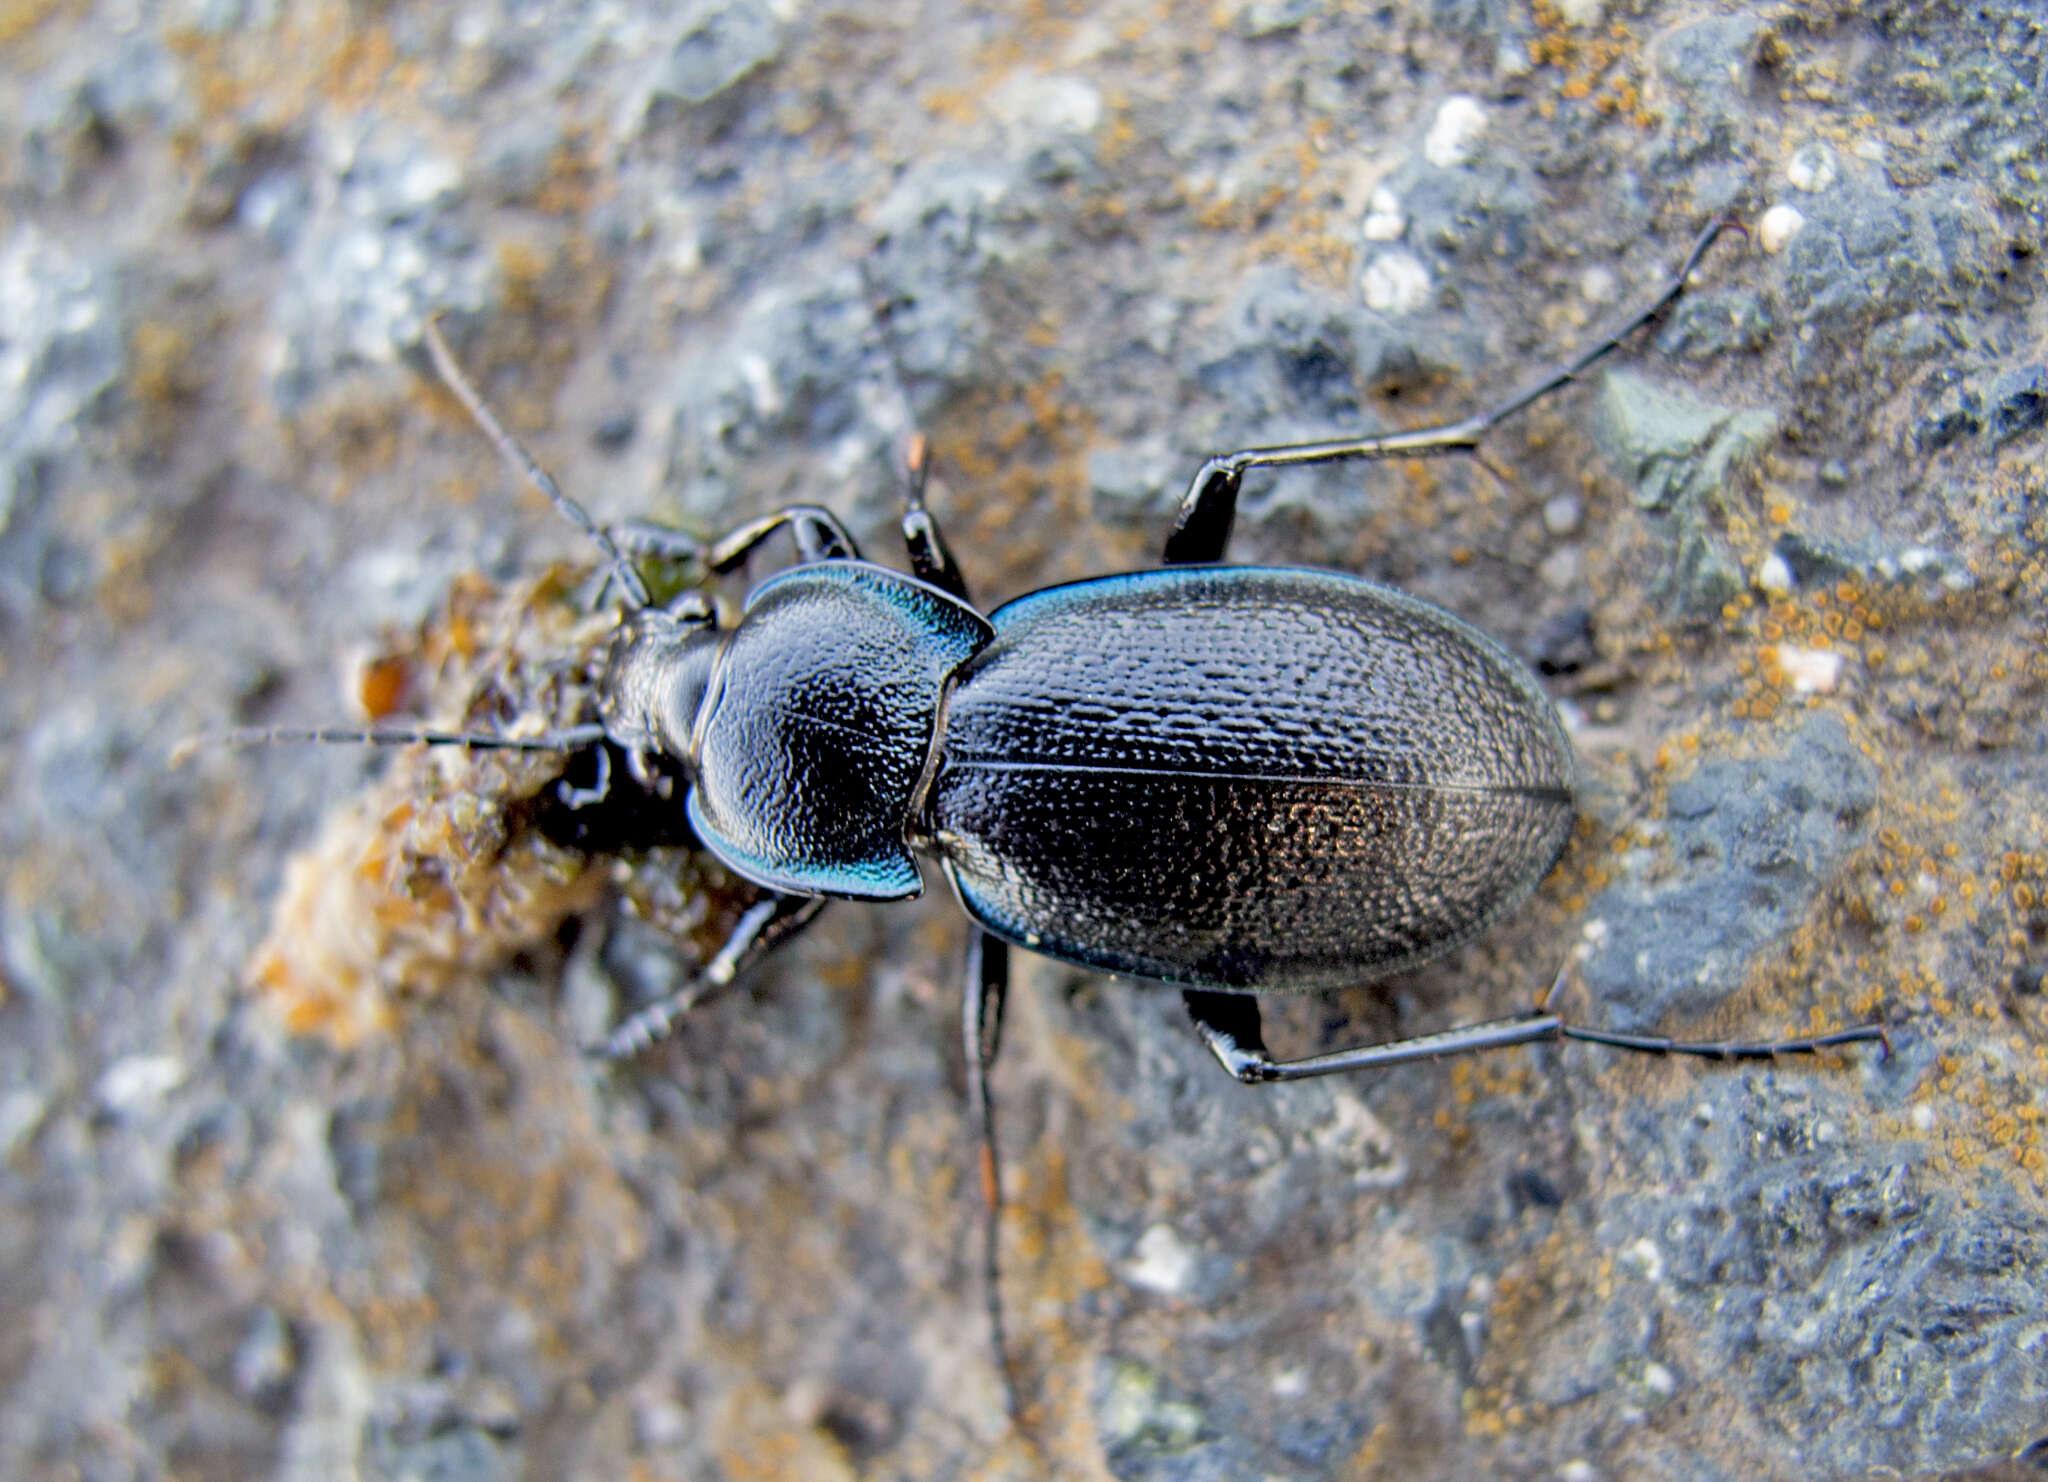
x=597 y=792
x=1653 y=1044
x=1258 y=1067
x=1229 y=1025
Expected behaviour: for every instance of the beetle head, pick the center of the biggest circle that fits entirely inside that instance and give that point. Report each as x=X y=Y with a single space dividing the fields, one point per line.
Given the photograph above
x=655 y=679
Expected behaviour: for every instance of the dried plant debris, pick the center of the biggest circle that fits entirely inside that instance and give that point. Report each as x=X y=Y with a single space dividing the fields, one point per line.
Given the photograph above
x=455 y=860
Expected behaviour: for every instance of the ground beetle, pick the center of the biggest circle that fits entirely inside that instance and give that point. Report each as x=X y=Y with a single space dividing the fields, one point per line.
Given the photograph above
x=1233 y=779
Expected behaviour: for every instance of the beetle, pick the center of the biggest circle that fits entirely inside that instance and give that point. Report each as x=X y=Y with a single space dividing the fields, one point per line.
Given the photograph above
x=1228 y=779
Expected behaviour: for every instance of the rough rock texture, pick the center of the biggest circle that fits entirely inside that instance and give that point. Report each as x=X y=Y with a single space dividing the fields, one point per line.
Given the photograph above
x=301 y=1174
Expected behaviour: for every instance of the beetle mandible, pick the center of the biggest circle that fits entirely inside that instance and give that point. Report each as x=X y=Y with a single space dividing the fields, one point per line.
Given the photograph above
x=1230 y=779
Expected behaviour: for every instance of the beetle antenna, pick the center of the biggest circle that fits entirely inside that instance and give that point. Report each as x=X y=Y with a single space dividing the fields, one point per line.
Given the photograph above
x=521 y=462
x=569 y=738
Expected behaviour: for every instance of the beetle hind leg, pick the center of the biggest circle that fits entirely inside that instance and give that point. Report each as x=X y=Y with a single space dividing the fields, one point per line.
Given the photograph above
x=1229 y=1025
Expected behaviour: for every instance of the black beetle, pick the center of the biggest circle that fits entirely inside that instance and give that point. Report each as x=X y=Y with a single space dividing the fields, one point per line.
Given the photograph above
x=1232 y=779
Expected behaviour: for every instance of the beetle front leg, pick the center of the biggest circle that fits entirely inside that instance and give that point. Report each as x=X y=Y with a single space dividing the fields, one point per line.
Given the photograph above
x=818 y=534
x=766 y=925
x=663 y=542
x=931 y=559
x=816 y=530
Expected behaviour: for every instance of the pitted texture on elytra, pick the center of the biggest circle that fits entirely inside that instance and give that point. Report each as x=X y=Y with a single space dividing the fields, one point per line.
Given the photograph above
x=1246 y=777
x=810 y=755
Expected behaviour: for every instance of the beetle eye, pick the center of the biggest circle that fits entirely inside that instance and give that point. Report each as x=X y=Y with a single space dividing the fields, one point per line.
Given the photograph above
x=694 y=609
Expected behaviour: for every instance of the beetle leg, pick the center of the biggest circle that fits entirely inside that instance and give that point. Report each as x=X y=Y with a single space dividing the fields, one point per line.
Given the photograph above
x=664 y=542
x=986 y=991
x=818 y=534
x=1229 y=1025
x=931 y=559
x=1202 y=527
x=767 y=924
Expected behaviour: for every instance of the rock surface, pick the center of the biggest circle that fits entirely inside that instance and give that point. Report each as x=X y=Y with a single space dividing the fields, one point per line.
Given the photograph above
x=301 y=1174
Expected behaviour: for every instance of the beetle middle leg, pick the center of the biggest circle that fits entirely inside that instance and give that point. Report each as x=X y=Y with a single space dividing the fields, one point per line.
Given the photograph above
x=1201 y=529
x=766 y=925
x=985 y=989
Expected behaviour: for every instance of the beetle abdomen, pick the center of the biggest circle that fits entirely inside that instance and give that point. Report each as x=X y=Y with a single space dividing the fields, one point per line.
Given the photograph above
x=1245 y=777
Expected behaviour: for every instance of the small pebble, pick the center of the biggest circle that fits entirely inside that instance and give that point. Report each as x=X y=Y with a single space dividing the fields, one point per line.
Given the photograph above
x=1774 y=575
x=1779 y=225
x=1161 y=1262
x=1395 y=282
x=660 y=1424
x=1812 y=167
x=1383 y=219
x=1561 y=515
x=1454 y=136
x=138 y=1083
x=1289 y=1384
x=1645 y=1259
x=1812 y=671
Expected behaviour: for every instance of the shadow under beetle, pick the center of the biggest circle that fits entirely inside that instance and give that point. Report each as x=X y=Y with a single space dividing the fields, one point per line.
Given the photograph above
x=1233 y=779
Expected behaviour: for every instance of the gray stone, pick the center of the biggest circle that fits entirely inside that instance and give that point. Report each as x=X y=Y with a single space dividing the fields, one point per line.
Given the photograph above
x=719 y=43
x=1868 y=250
x=1746 y=849
x=1679 y=453
x=61 y=352
x=383 y=247
x=1706 y=65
